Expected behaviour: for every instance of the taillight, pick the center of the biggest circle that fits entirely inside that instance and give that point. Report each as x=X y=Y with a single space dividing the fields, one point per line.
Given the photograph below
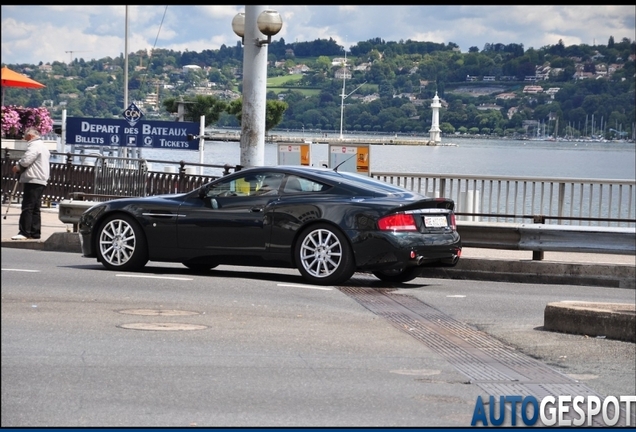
x=453 y=222
x=397 y=222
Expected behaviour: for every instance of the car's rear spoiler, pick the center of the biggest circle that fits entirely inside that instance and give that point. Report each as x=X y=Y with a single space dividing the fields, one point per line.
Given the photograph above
x=441 y=203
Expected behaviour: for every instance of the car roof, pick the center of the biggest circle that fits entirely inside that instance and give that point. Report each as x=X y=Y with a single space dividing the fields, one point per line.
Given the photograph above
x=361 y=181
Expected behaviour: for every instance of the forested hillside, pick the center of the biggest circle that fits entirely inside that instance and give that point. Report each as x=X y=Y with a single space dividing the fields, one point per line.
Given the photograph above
x=504 y=90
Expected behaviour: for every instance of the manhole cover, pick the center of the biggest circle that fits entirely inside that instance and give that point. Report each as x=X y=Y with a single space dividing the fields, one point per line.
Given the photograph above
x=157 y=312
x=162 y=326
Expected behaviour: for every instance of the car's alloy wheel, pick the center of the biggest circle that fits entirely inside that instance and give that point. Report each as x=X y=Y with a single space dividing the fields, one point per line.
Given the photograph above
x=323 y=255
x=405 y=274
x=121 y=244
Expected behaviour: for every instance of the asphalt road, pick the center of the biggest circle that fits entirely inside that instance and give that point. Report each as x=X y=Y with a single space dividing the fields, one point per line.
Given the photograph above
x=82 y=346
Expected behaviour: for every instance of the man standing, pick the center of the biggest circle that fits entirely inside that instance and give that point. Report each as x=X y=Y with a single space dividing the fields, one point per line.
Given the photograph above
x=34 y=169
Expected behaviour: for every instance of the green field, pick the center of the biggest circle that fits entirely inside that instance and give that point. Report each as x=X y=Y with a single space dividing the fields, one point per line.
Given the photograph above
x=286 y=83
x=281 y=81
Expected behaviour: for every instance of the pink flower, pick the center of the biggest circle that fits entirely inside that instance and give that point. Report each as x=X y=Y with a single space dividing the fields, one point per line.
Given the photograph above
x=15 y=120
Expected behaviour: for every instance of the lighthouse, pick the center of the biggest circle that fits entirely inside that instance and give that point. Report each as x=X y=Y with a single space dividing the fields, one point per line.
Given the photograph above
x=435 y=131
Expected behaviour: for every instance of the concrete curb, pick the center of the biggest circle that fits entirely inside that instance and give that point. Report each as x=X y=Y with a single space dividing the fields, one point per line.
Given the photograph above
x=610 y=320
x=57 y=242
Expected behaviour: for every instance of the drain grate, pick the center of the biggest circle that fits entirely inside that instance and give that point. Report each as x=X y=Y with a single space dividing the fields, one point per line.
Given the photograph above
x=496 y=368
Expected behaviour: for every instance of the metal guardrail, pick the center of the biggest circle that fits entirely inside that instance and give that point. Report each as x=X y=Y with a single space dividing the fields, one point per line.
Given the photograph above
x=540 y=238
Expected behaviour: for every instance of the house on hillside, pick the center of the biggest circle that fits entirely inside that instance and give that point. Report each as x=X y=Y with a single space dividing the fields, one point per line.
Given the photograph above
x=506 y=96
x=533 y=89
x=339 y=61
x=342 y=73
x=191 y=67
x=552 y=91
x=299 y=69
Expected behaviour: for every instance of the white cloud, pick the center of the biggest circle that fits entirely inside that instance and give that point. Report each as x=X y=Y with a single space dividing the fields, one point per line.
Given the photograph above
x=31 y=34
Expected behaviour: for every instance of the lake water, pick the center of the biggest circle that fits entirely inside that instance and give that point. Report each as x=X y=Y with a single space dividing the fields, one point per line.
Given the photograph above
x=589 y=160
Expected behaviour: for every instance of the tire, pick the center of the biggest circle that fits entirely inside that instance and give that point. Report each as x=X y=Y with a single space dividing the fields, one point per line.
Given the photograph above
x=200 y=267
x=121 y=244
x=399 y=275
x=323 y=255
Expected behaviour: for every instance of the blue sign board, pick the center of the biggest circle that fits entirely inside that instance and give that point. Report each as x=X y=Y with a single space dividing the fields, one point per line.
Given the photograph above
x=143 y=133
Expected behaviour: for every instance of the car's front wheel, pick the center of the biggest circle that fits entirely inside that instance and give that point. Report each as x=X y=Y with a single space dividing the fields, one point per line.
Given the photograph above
x=121 y=244
x=405 y=274
x=323 y=255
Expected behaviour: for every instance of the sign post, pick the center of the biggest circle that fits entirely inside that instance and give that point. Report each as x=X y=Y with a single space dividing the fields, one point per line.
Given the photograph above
x=132 y=115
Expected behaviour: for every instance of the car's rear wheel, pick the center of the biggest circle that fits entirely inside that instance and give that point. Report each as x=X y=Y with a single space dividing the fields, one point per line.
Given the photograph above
x=323 y=255
x=121 y=244
x=405 y=274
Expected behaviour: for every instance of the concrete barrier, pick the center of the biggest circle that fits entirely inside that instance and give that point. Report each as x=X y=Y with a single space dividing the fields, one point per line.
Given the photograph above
x=71 y=210
x=610 y=320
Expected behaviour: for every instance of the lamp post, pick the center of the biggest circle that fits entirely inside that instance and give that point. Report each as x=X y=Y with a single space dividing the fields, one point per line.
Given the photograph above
x=255 y=27
x=343 y=96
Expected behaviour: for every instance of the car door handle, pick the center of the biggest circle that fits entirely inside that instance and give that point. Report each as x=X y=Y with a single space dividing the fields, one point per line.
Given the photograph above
x=256 y=209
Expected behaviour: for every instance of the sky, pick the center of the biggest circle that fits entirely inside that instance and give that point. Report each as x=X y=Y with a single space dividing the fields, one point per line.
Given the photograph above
x=33 y=34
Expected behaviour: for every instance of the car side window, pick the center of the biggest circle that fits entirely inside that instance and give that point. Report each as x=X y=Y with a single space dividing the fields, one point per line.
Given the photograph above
x=248 y=185
x=269 y=184
x=295 y=184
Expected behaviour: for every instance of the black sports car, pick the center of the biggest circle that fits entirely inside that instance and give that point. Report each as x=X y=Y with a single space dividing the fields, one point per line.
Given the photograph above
x=325 y=223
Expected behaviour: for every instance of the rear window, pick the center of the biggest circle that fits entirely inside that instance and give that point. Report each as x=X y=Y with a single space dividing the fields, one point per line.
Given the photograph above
x=370 y=184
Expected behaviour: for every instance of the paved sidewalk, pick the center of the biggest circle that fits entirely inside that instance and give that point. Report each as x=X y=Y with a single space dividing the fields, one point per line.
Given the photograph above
x=603 y=270
x=50 y=222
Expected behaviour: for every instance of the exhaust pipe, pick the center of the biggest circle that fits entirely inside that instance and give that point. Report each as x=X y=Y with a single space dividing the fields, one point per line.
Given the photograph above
x=419 y=260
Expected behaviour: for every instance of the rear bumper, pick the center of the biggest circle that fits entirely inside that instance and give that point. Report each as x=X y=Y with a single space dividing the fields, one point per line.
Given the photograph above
x=392 y=250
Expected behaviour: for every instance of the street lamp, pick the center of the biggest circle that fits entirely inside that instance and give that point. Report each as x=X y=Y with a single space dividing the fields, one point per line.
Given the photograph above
x=268 y=22
x=256 y=26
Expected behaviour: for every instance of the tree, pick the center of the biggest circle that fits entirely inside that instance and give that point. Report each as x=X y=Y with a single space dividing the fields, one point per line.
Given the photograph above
x=274 y=110
x=207 y=106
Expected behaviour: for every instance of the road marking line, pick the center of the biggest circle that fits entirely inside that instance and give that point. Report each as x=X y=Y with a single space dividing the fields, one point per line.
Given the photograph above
x=456 y=296
x=305 y=286
x=21 y=270
x=154 y=277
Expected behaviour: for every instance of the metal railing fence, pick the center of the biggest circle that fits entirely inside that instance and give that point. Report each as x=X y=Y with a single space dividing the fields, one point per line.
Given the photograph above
x=99 y=177
x=564 y=201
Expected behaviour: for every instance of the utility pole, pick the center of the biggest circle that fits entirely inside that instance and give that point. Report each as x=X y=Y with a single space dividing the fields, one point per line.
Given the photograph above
x=343 y=96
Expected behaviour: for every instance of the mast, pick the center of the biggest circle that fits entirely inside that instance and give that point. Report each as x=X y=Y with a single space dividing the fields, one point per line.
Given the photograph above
x=342 y=95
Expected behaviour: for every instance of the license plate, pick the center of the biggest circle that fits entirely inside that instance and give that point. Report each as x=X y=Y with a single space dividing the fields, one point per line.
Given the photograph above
x=435 y=221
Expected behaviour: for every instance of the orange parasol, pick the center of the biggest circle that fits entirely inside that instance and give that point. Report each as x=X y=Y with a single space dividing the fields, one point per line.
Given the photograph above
x=13 y=79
